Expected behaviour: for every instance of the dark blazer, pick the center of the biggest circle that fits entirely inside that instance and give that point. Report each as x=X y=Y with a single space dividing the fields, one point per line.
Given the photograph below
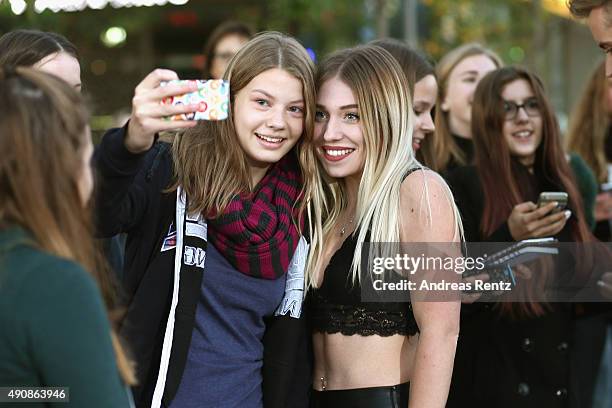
x=504 y=362
x=131 y=197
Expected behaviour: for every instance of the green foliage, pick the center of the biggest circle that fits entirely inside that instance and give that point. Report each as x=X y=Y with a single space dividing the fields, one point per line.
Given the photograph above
x=507 y=26
x=322 y=24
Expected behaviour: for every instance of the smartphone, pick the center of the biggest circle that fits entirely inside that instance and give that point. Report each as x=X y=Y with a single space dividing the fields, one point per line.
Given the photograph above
x=212 y=97
x=550 y=196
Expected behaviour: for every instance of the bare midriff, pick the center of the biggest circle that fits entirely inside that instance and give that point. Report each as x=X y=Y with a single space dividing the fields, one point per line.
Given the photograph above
x=348 y=362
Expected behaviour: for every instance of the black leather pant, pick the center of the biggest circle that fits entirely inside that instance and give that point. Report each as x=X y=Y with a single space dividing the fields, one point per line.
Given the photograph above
x=395 y=396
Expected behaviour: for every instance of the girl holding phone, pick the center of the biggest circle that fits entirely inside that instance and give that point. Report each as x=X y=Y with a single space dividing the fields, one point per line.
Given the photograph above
x=518 y=154
x=215 y=257
x=374 y=354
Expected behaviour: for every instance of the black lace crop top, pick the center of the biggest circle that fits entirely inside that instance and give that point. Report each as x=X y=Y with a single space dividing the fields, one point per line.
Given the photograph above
x=336 y=306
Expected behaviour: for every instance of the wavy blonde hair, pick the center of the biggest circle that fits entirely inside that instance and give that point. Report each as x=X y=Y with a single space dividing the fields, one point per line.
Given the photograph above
x=209 y=163
x=385 y=110
x=590 y=122
x=445 y=148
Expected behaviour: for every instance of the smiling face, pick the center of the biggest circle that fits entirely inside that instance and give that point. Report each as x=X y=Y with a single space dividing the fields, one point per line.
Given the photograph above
x=425 y=92
x=462 y=83
x=269 y=118
x=338 y=132
x=600 y=23
x=62 y=65
x=523 y=134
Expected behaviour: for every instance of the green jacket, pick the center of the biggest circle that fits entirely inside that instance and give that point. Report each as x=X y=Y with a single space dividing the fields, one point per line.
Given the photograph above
x=54 y=331
x=587 y=185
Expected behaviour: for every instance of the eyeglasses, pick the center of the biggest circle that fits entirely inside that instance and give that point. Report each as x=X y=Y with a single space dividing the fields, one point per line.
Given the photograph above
x=531 y=107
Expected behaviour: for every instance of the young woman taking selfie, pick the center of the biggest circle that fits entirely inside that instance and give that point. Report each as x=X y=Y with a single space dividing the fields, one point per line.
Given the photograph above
x=215 y=257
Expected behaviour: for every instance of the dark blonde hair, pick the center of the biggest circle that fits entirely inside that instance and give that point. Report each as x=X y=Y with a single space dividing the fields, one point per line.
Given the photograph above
x=209 y=163
x=445 y=149
x=416 y=67
x=43 y=131
x=590 y=122
x=414 y=64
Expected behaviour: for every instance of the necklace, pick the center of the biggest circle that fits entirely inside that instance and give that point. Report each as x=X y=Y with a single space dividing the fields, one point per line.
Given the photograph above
x=343 y=229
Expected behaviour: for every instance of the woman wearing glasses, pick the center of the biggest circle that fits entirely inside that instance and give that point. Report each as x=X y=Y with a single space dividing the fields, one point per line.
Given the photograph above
x=516 y=354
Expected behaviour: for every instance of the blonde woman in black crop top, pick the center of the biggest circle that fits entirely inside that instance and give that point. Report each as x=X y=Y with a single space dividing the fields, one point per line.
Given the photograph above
x=374 y=354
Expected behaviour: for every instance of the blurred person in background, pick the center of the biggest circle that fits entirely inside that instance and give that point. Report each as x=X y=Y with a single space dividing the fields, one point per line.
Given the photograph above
x=590 y=135
x=52 y=53
x=421 y=78
x=458 y=73
x=517 y=354
x=214 y=253
x=55 y=297
x=598 y=14
x=46 y=51
x=223 y=43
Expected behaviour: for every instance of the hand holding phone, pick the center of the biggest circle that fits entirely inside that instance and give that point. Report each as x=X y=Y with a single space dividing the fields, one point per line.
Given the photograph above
x=527 y=220
x=559 y=197
x=147 y=117
x=211 y=97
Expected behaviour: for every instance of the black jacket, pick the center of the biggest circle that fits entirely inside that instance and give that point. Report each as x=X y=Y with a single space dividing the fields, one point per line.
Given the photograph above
x=505 y=362
x=131 y=198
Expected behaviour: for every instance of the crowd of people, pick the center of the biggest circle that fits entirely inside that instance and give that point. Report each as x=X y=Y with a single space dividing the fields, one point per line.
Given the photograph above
x=242 y=273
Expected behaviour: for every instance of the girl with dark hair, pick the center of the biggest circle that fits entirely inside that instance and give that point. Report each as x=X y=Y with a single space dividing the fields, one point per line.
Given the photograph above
x=54 y=54
x=53 y=291
x=46 y=51
x=423 y=87
x=222 y=44
x=518 y=155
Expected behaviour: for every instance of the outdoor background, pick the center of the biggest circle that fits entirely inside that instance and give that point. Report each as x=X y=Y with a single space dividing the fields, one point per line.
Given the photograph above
x=119 y=45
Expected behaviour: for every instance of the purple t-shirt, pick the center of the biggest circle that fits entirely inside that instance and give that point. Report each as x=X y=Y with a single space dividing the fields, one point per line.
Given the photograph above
x=225 y=357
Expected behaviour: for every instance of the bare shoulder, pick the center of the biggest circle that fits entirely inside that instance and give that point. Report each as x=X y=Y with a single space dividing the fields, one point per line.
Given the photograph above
x=428 y=212
x=423 y=181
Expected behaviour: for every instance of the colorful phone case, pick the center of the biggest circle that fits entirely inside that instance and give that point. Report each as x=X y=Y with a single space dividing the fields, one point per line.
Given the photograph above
x=212 y=97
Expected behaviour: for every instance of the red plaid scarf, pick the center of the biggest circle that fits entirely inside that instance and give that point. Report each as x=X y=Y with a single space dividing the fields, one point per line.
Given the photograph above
x=256 y=232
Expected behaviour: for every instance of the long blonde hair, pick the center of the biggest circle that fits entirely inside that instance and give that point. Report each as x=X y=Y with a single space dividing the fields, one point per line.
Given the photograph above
x=445 y=148
x=209 y=163
x=384 y=103
x=590 y=122
x=42 y=137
